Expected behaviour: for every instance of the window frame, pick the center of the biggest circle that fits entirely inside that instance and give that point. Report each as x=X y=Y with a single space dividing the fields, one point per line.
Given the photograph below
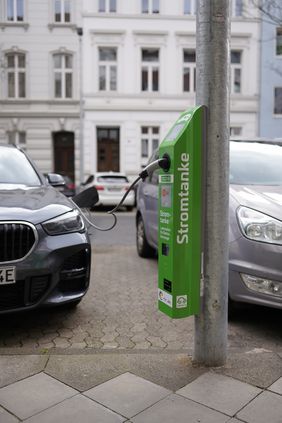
x=193 y=7
x=107 y=8
x=63 y=71
x=150 y=7
x=277 y=47
x=15 y=19
x=150 y=67
x=233 y=68
x=63 y=20
x=109 y=65
x=17 y=135
x=234 y=129
x=150 y=137
x=234 y=5
x=16 y=70
x=192 y=71
x=277 y=114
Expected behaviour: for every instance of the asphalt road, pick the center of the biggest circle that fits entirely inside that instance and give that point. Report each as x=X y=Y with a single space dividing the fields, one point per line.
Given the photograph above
x=122 y=234
x=120 y=312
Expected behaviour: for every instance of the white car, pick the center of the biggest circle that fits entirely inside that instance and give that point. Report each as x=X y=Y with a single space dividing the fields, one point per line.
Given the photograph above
x=111 y=187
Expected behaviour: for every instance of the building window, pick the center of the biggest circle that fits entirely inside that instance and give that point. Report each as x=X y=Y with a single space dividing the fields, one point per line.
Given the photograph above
x=107 y=6
x=189 y=71
x=63 y=75
x=16 y=75
x=150 y=139
x=235 y=131
x=150 y=6
x=62 y=11
x=150 y=69
x=17 y=138
x=107 y=68
x=189 y=7
x=278 y=101
x=279 y=41
x=237 y=8
x=15 y=10
x=236 y=71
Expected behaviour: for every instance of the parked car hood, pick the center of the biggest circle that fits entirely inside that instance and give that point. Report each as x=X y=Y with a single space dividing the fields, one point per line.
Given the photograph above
x=266 y=199
x=34 y=205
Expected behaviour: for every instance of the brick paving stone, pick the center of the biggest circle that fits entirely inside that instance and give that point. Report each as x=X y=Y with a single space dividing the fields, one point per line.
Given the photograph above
x=121 y=306
x=61 y=343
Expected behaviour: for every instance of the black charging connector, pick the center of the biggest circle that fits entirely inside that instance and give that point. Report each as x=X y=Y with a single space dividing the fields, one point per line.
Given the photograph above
x=164 y=163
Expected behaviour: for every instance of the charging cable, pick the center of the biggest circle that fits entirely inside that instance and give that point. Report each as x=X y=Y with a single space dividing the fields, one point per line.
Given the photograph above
x=163 y=163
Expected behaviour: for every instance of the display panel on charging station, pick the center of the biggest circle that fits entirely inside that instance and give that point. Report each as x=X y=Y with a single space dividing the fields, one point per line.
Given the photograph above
x=181 y=215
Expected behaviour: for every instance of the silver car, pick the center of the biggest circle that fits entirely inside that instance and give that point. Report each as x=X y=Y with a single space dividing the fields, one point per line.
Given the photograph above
x=255 y=228
x=111 y=187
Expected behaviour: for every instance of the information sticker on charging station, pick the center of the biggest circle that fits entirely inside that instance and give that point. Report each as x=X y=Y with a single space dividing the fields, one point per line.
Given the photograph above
x=181 y=215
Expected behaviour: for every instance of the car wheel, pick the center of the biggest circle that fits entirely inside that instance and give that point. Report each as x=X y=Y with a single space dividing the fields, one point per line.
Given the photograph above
x=143 y=248
x=233 y=309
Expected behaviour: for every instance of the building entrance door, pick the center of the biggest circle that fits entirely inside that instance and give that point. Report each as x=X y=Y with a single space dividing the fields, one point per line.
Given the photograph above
x=108 y=149
x=63 y=148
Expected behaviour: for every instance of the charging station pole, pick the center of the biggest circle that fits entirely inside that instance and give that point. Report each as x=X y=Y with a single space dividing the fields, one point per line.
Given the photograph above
x=213 y=63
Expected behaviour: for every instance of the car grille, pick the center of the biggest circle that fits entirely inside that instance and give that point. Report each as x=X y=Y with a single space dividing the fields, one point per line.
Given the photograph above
x=12 y=296
x=23 y=292
x=16 y=240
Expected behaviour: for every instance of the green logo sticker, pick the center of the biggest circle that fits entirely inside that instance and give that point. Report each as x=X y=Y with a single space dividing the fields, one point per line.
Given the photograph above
x=165 y=179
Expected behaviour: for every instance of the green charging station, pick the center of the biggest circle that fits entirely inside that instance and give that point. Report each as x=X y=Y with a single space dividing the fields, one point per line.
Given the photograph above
x=181 y=195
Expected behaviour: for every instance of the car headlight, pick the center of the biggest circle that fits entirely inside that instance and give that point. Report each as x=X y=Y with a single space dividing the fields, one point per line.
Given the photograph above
x=259 y=227
x=263 y=286
x=64 y=224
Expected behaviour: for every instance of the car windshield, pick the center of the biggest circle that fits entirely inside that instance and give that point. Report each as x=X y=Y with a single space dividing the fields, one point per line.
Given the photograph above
x=113 y=179
x=254 y=163
x=16 y=169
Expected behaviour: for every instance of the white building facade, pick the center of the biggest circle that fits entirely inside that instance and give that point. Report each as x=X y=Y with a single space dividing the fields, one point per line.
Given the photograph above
x=39 y=85
x=139 y=61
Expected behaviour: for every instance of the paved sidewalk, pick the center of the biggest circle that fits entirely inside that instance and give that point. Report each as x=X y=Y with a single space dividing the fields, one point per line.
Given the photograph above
x=140 y=388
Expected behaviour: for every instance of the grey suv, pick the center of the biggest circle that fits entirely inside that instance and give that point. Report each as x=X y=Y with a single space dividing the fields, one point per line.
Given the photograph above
x=45 y=251
x=255 y=229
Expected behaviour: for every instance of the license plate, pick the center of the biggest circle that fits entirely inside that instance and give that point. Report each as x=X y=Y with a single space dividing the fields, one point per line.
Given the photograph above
x=115 y=189
x=7 y=275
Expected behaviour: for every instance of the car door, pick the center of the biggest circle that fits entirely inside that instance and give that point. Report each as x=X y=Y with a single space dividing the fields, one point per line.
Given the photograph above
x=150 y=197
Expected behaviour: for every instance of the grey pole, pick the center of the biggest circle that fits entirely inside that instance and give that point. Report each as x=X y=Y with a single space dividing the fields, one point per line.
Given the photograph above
x=212 y=56
x=81 y=133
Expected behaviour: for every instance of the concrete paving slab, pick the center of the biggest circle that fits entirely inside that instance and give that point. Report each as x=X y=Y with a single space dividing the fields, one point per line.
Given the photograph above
x=82 y=372
x=276 y=386
x=127 y=394
x=6 y=417
x=77 y=409
x=178 y=409
x=34 y=394
x=220 y=392
x=267 y=407
x=17 y=367
x=250 y=367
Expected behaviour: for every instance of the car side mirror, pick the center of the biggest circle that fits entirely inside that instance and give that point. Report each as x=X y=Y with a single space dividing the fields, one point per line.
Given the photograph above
x=89 y=180
x=55 y=179
x=87 y=198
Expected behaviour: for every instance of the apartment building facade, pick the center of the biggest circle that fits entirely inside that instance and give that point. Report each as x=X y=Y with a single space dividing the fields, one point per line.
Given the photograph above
x=139 y=67
x=39 y=81
x=270 y=117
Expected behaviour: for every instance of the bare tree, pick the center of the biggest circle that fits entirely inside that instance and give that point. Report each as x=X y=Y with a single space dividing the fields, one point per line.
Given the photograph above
x=271 y=10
